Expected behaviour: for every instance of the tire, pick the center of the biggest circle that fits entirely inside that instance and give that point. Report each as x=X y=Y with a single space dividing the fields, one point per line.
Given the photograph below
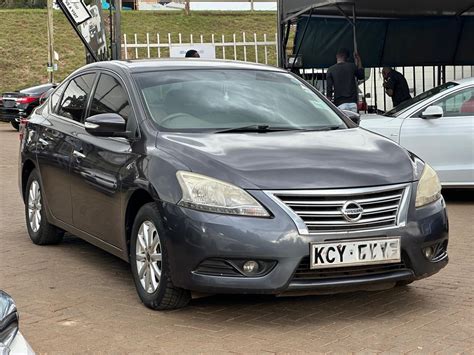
x=40 y=230
x=15 y=125
x=148 y=258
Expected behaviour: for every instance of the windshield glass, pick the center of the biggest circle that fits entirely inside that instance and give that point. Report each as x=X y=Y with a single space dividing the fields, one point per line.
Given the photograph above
x=217 y=99
x=425 y=95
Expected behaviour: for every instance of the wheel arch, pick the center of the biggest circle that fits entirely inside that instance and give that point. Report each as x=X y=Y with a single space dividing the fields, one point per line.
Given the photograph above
x=138 y=198
x=28 y=167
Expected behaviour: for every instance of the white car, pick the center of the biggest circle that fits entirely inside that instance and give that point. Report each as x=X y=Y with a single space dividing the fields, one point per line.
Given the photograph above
x=11 y=340
x=438 y=126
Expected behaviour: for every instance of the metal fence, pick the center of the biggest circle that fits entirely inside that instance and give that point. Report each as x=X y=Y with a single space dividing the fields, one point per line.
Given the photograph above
x=371 y=90
x=257 y=48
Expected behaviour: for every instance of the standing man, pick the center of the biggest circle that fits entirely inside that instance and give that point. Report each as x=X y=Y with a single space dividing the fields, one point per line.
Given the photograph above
x=342 y=81
x=395 y=85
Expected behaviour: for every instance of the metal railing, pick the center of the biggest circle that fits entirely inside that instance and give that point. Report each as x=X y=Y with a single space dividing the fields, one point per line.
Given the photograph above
x=257 y=48
x=419 y=79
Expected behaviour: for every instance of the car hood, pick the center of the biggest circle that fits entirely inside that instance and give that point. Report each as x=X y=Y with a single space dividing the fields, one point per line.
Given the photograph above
x=371 y=118
x=292 y=159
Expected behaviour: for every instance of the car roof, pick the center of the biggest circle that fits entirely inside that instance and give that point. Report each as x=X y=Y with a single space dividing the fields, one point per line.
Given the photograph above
x=179 y=63
x=465 y=81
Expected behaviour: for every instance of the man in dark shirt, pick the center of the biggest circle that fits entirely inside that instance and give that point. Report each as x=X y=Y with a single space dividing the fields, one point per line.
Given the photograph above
x=395 y=85
x=192 y=53
x=341 y=81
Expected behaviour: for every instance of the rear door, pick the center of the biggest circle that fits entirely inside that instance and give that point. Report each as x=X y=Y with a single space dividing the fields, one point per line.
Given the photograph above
x=446 y=143
x=54 y=145
x=99 y=169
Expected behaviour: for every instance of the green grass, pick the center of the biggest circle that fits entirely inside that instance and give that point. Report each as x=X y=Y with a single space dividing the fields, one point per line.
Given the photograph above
x=23 y=40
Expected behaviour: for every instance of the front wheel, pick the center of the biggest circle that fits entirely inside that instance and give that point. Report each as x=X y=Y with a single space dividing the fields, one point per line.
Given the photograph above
x=149 y=263
x=15 y=125
x=40 y=230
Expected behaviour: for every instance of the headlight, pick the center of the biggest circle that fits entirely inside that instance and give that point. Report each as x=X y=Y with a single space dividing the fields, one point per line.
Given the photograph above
x=211 y=195
x=429 y=188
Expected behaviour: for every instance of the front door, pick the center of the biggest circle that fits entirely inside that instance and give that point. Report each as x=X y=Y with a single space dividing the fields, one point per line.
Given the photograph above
x=98 y=168
x=55 y=143
x=446 y=143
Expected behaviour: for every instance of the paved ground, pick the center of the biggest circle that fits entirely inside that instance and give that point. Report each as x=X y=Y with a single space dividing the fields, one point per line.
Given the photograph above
x=74 y=297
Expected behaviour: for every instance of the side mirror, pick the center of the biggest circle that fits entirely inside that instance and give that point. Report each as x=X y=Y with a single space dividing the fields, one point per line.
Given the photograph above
x=432 y=112
x=8 y=320
x=354 y=117
x=107 y=125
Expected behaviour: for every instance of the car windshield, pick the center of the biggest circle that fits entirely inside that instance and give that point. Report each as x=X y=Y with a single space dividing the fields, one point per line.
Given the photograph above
x=423 y=96
x=219 y=99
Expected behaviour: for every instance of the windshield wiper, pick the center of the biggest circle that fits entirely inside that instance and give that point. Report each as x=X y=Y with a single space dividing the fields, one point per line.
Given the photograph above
x=256 y=128
x=325 y=128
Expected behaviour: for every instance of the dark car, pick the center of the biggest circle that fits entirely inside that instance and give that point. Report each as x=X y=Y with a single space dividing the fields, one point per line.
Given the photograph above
x=224 y=177
x=17 y=105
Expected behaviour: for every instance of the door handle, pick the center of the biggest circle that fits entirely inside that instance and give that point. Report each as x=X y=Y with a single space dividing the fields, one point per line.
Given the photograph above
x=78 y=155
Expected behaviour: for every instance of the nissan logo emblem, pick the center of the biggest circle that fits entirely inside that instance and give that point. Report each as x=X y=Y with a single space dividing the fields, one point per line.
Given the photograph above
x=352 y=211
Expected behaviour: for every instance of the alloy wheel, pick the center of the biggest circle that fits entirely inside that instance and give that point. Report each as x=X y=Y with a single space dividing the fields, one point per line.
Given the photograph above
x=148 y=256
x=34 y=206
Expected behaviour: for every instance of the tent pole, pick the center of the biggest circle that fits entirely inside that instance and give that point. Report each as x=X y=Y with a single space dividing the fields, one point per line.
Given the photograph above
x=302 y=39
x=280 y=47
x=354 y=27
x=118 y=29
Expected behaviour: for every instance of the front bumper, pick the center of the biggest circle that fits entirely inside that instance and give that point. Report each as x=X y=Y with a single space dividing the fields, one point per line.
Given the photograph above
x=192 y=237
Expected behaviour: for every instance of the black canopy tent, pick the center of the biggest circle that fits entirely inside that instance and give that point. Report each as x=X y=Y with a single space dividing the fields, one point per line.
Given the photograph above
x=392 y=33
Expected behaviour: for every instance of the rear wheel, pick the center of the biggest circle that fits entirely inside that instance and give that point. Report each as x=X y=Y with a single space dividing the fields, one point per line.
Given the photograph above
x=40 y=230
x=149 y=263
x=15 y=125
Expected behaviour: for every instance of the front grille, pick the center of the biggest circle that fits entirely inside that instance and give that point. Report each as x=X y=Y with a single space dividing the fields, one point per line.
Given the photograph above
x=321 y=210
x=303 y=272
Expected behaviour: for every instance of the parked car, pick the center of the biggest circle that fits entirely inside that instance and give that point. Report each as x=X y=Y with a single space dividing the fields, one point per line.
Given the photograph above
x=19 y=104
x=438 y=126
x=11 y=340
x=223 y=177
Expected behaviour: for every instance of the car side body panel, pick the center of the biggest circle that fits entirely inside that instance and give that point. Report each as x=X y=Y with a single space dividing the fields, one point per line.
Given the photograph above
x=446 y=143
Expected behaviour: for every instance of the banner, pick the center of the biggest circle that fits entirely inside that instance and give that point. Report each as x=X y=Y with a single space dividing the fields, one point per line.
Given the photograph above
x=77 y=10
x=93 y=31
x=87 y=21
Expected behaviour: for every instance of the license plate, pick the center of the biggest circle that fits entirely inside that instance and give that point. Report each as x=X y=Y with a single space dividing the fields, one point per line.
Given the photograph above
x=350 y=253
x=9 y=103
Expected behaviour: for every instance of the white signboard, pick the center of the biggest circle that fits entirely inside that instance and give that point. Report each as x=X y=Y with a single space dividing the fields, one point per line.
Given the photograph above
x=206 y=51
x=78 y=10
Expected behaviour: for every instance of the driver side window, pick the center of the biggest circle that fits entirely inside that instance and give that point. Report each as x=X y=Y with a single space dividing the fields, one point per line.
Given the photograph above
x=74 y=101
x=110 y=97
x=458 y=104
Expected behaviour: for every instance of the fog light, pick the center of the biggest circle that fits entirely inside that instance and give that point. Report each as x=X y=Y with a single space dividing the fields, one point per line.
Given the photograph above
x=429 y=251
x=250 y=267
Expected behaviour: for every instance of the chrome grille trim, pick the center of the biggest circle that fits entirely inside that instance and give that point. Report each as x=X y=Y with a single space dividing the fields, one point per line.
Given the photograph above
x=387 y=209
